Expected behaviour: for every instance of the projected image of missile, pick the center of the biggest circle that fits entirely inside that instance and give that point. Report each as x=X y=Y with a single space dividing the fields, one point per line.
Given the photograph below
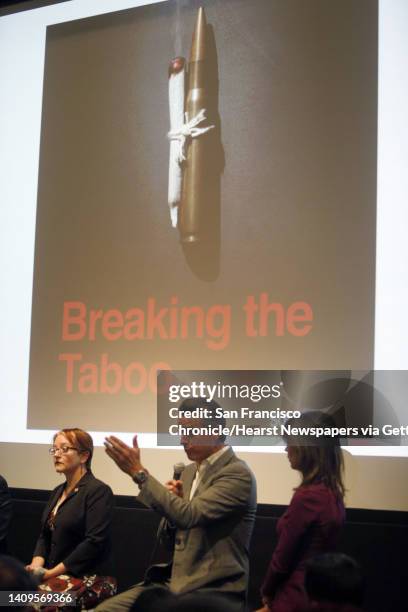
x=193 y=201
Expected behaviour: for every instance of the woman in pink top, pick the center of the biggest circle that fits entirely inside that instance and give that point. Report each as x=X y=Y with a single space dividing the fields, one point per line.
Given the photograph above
x=312 y=522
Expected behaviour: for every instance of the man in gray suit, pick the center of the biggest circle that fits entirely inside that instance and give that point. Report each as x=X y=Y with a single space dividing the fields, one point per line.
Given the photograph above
x=210 y=513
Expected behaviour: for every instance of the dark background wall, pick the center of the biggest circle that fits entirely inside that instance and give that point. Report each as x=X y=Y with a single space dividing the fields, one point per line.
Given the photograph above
x=377 y=539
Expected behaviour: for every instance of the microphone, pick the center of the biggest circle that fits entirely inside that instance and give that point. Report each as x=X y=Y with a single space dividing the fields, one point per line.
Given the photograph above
x=178 y=469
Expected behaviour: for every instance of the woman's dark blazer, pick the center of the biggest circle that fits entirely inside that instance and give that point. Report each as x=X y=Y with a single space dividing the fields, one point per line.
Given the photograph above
x=82 y=533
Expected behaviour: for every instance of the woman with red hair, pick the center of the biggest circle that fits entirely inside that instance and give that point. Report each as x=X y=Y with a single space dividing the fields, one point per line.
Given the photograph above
x=76 y=523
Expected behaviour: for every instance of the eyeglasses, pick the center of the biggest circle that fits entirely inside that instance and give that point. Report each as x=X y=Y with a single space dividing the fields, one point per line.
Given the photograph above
x=62 y=449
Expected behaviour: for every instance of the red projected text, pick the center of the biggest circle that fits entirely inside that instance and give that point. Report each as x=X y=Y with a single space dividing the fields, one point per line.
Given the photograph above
x=211 y=325
x=166 y=323
x=108 y=376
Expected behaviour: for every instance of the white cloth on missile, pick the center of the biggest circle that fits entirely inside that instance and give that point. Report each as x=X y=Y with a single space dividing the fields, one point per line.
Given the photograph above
x=176 y=108
x=188 y=130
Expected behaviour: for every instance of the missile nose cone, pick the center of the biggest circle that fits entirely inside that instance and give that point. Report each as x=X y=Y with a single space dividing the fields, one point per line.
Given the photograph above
x=201 y=20
x=199 y=37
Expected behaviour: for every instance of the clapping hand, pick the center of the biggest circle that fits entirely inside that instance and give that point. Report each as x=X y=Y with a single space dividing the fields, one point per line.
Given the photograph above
x=127 y=458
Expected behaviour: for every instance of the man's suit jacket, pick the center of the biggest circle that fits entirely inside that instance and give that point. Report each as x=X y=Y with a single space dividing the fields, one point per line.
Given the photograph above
x=81 y=537
x=213 y=530
x=5 y=514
